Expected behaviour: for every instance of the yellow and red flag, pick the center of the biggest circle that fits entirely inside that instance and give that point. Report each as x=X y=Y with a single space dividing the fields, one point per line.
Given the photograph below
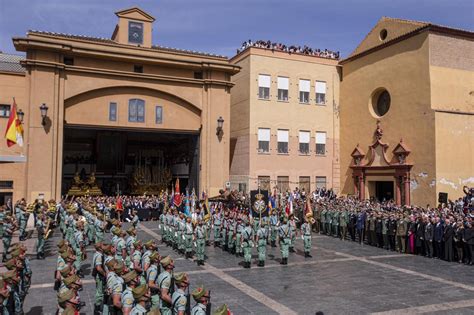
x=14 y=132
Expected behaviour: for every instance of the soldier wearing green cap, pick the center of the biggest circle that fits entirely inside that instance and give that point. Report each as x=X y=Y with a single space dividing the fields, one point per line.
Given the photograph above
x=136 y=260
x=99 y=226
x=217 y=221
x=120 y=247
x=165 y=285
x=188 y=237
x=200 y=236
x=284 y=234
x=273 y=227
x=141 y=294
x=135 y=218
x=98 y=273
x=179 y=298
x=79 y=247
x=201 y=296
x=68 y=301
x=306 y=234
x=8 y=229
x=238 y=237
x=151 y=279
x=131 y=281
x=262 y=243
x=247 y=243
x=41 y=229
x=222 y=310
x=114 y=286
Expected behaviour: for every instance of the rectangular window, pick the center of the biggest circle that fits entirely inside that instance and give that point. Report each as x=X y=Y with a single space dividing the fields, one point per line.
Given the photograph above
x=158 y=115
x=135 y=32
x=263 y=140
x=69 y=61
x=4 y=111
x=112 y=111
x=320 y=92
x=6 y=184
x=283 y=183
x=320 y=143
x=320 y=181
x=305 y=183
x=198 y=75
x=304 y=91
x=283 y=86
x=263 y=86
x=304 y=137
x=136 y=110
x=282 y=137
x=138 y=69
x=264 y=182
x=243 y=187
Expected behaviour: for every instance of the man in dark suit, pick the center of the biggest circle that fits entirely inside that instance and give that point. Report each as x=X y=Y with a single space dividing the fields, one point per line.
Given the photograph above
x=360 y=225
x=429 y=235
x=438 y=238
x=448 y=241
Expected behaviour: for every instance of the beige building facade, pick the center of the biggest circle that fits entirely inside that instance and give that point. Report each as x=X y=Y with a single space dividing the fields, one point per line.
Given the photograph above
x=134 y=115
x=417 y=80
x=284 y=121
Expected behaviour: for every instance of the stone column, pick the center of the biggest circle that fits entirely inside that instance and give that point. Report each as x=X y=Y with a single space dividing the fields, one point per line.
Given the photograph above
x=398 y=196
x=407 y=188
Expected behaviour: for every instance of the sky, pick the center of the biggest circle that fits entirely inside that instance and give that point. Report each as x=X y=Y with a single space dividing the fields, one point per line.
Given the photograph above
x=220 y=26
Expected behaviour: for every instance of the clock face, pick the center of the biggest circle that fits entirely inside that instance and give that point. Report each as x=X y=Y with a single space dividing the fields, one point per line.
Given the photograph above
x=135 y=33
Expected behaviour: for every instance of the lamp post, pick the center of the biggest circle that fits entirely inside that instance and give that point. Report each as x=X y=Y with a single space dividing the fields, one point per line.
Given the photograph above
x=220 y=124
x=44 y=113
x=20 y=115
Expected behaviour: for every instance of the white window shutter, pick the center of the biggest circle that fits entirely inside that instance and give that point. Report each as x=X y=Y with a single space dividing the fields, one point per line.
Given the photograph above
x=304 y=86
x=304 y=136
x=263 y=80
x=320 y=137
x=321 y=87
x=283 y=83
x=263 y=134
x=282 y=135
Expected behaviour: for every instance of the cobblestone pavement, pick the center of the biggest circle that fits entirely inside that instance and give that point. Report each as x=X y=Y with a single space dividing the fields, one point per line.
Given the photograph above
x=342 y=278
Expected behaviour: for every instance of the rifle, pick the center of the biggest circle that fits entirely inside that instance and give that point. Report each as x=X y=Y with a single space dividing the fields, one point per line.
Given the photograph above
x=188 y=302
x=209 y=305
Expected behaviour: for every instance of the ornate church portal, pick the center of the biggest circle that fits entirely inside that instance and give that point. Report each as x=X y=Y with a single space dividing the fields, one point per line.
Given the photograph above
x=379 y=177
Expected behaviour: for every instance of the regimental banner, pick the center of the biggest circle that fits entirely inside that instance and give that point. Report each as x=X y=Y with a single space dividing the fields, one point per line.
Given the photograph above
x=259 y=202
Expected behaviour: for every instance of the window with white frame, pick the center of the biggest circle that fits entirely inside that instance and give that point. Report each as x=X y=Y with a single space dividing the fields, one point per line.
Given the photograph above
x=158 y=115
x=320 y=182
x=263 y=140
x=304 y=137
x=264 y=86
x=320 y=143
x=304 y=91
x=283 y=86
x=112 y=111
x=282 y=137
x=320 y=92
x=4 y=110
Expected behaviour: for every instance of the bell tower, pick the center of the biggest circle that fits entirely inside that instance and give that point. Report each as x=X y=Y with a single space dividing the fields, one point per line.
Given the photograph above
x=134 y=28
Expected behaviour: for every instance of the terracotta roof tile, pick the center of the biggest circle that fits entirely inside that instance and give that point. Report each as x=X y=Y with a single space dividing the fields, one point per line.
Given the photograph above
x=11 y=63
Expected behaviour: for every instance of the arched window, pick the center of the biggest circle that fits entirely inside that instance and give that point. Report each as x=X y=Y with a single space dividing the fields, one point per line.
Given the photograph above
x=136 y=110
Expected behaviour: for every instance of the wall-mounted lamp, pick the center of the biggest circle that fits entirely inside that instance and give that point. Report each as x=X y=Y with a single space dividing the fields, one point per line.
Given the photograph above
x=220 y=124
x=20 y=115
x=44 y=113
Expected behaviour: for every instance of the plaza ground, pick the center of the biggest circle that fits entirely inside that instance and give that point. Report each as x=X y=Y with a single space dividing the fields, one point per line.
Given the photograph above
x=343 y=277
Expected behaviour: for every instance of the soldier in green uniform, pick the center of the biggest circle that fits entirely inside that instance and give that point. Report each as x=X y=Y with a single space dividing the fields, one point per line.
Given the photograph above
x=131 y=281
x=79 y=247
x=181 y=230
x=129 y=244
x=8 y=228
x=217 y=221
x=306 y=234
x=99 y=226
x=284 y=239
x=201 y=296
x=136 y=260
x=41 y=229
x=98 y=273
x=292 y=224
x=120 y=246
x=188 y=237
x=150 y=247
x=161 y=226
x=273 y=228
x=179 y=298
x=262 y=243
x=141 y=294
x=151 y=279
x=238 y=236
x=231 y=235
x=135 y=218
x=20 y=218
x=114 y=286
x=343 y=221
x=200 y=237
x=68 y=302
x=402 y=226
x=246 y=243
x=165 y=285
x=329 y=224
x=335 y=222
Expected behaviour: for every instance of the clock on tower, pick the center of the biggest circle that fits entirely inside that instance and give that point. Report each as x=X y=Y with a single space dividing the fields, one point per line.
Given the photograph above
x=135 y=33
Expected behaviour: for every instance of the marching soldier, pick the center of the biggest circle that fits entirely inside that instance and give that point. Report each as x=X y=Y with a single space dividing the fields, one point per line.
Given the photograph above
x=188 y=237
x=323 y=221
x=99 y=225
x=150 y=248
x=201 y=296
x=179 y=298
x=306 y=234
x=68 y=301
x=151 y=279
x=292 y=224
x=141 y=294
x=79 y=247
x=40 y=228
x=166 y=286
x=20 y=218
x=262 y=243
x=120 y=246
x=246 y=243
x=114 y=287
x=129 y=244
x=238 y=237
x=231 y=235
x=136 y=260
x=284 y=232
x=127 y=300
x=135 y=218
x=273 y=228
x=181 y=230
x=8 y=228
x=98 y=273
x=216 y=219
x=200 y=237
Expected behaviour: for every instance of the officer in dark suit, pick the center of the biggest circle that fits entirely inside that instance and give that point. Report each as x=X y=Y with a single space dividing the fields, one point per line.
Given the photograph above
x=438 y=238
x=448 y=241
x=429 y=235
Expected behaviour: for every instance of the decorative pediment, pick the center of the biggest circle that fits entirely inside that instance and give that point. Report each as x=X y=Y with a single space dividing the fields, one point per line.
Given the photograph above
x=377 y=154
x=357 y=156
x=400 y=153
x=135 y=14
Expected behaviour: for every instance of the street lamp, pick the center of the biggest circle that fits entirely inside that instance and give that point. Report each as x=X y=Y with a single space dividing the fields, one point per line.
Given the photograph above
x=220 y=124
x=20 y=115
x=44 y=113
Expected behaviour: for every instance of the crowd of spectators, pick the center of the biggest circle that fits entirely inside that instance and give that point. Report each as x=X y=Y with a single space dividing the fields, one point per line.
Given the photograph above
x=305 y=50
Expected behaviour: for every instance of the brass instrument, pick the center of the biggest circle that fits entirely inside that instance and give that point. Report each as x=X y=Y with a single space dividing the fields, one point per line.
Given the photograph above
x=48 y=231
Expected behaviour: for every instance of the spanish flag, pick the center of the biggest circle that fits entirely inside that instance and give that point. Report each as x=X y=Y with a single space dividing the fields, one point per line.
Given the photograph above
x=14 y=132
